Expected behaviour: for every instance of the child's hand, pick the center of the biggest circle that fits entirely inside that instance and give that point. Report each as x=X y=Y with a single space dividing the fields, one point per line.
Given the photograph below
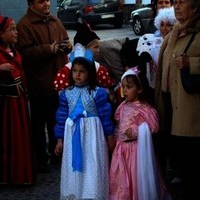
x=130 y=134
x=59 y=147
x=6 y=67
x=112 y=96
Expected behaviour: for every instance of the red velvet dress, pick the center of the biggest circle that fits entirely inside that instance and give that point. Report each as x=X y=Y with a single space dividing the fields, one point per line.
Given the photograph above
x=16 y=163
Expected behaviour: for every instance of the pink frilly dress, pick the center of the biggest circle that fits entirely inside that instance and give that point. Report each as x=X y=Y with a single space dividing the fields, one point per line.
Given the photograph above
x=133 y=172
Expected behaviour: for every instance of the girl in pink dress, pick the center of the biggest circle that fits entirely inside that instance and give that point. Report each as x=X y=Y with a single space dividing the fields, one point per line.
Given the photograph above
x=133 y=171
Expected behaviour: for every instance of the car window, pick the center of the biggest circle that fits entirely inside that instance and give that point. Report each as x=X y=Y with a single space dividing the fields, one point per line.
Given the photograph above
x=95 y=1
x=75 y=2
x=108 y=1
x=100 y=1
x=66 y=3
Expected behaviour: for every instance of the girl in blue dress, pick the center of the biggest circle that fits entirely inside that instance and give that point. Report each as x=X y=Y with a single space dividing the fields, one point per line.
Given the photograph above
x=84 y=132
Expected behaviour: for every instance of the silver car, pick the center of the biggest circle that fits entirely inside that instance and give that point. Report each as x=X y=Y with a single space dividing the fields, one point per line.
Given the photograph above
x=141 y=20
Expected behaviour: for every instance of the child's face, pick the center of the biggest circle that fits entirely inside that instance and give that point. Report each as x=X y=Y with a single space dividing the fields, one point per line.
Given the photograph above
x=9 y=35
x=79 y=74
x=130 y=90
x=94 y=47
x=165 y=28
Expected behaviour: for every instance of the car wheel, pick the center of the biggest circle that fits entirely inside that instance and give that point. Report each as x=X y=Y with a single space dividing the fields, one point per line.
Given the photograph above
x=138 y=26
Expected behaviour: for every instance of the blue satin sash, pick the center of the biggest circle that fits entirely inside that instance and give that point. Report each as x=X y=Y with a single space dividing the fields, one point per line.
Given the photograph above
x=77 y=157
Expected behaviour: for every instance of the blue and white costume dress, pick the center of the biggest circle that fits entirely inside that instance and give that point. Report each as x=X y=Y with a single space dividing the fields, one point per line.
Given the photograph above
x=84 y=121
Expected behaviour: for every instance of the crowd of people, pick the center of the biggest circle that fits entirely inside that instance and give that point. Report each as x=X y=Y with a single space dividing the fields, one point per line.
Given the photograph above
x=114 y=137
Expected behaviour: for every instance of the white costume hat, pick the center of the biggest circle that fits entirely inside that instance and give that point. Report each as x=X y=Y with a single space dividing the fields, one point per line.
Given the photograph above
x=131 y=71
x=165 y=15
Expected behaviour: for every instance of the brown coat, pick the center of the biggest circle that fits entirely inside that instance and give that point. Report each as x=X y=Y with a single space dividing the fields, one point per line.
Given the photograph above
x=186 y=107
x=36 y=33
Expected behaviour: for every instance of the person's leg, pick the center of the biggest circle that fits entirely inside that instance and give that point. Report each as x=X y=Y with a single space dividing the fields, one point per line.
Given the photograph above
x=162 y=139
x=38 y=122
x=186 y=155
x=52 y=106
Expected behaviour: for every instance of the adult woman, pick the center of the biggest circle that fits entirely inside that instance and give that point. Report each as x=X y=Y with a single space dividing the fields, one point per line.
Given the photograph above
x=185 y=129
x=149 y=48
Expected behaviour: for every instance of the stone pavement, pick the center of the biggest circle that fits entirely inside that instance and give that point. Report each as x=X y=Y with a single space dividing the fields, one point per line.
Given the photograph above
x=47 y=188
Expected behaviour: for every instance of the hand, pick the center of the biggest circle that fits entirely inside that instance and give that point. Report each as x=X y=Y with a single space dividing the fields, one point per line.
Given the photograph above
x=68 y=44
x=59 y=147
x=65 y=46
x=112 y=96
x=54 y=47
x=7 y=67
x=130 y=134
x=182 y=61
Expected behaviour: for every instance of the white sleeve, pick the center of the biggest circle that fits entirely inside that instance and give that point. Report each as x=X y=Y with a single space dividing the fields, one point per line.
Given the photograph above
x=147 y=177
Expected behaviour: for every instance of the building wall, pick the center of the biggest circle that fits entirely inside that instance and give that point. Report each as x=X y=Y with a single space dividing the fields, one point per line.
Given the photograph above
x=17 y=8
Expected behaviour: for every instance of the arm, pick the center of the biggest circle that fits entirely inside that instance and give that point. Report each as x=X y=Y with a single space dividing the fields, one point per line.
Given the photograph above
x=31 y=43
x=35 y=41
x=61 y=116
x=147 y=178
x=104 y=111
x=6 y=67
x=103 y=77
x=190 y=73
x=149 y=115
x=6 y=73
x=62 y=79
x=105 y=114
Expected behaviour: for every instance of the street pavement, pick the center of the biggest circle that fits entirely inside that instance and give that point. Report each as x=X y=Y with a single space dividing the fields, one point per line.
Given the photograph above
x=47 y=188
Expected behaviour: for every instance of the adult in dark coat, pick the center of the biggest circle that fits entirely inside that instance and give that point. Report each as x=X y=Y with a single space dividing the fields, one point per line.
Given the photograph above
x=40 y=36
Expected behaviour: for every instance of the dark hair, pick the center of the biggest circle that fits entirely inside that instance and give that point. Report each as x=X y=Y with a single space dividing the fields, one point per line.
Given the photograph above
x=128 y=53
x=154 y=6
x=194 y=3
x=141 y=82
x=30 y=2
x=90 y=67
